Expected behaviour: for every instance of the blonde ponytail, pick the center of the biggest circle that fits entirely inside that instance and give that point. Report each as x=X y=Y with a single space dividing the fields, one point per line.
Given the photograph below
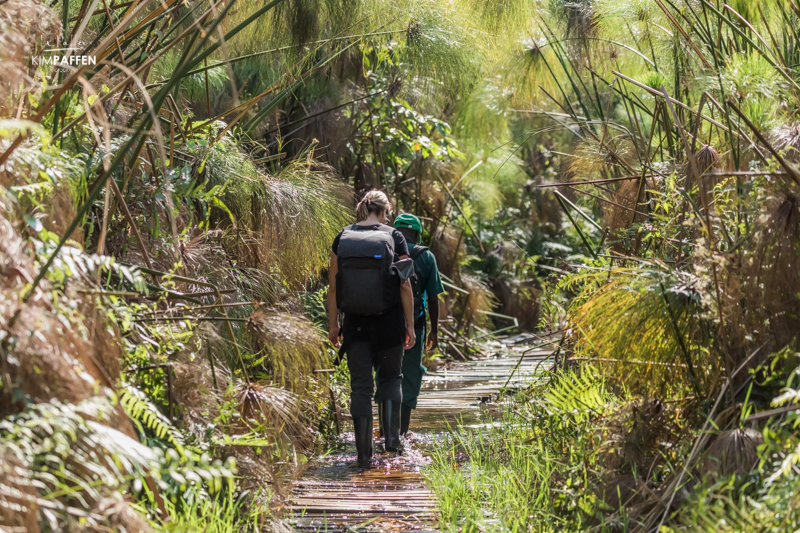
x=373 y=202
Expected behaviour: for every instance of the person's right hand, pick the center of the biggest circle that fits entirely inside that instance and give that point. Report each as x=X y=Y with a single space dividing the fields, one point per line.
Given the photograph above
x=433 y=340
x=334 y=334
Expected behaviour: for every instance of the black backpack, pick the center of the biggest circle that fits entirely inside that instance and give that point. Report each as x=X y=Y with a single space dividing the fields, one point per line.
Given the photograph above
x=365 y=284
x=418 y=289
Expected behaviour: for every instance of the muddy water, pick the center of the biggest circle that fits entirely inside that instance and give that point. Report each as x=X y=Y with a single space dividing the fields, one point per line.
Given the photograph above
x=336 y=496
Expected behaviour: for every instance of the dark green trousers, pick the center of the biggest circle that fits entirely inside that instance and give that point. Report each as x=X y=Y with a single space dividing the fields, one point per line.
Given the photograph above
x=413 y=370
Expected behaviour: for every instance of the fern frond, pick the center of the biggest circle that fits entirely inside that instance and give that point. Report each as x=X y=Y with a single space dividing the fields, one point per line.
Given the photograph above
x=576 y=396
x=146 y=415
x=60 y=455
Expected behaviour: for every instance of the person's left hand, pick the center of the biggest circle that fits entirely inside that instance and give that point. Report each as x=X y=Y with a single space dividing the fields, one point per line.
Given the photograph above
x=411 y=337
x=433 y=340
x=334 y=334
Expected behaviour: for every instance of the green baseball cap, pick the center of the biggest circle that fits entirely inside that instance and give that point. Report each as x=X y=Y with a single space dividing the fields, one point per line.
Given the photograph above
x=407 y=220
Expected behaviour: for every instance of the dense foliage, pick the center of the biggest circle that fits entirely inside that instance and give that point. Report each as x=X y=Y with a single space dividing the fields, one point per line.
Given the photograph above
x=671 y=132
x=620 y=174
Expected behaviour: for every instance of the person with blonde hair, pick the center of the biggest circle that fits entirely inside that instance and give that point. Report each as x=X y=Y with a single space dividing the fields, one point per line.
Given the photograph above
x=369 y=283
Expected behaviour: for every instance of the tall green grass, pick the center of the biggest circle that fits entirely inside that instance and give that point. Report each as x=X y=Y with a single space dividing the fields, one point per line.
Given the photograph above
x=526 y=471
x=228 y=516
x=499 y=480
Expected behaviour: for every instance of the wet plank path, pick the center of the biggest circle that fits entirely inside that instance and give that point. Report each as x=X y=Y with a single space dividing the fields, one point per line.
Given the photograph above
x=336 y=496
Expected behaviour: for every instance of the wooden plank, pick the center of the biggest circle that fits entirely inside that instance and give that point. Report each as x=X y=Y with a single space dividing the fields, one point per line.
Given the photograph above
x=334 y=496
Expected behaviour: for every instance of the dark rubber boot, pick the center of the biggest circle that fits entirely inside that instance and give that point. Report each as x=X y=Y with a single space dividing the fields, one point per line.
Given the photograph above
x=362 y=427
x=380 y=420
x=391 y=426
x=405 y=419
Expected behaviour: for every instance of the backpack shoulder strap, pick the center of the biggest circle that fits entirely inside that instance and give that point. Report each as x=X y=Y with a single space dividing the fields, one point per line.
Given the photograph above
x=417 y=251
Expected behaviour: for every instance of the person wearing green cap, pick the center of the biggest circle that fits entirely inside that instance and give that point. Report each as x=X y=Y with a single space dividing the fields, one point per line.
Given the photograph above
x=426 y=288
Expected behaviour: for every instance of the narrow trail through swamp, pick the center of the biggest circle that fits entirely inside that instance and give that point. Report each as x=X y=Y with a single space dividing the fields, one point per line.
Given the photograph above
x=335 y=495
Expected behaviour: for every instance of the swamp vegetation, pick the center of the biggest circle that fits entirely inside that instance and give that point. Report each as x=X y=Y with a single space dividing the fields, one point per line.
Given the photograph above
x=620 y=178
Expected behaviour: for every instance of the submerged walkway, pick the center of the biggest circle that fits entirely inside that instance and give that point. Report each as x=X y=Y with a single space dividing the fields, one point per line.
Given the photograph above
x=336 y=496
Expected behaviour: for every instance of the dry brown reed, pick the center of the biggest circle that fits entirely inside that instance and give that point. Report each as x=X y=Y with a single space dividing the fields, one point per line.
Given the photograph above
x=628 y=208
x=636 y=441
x=629 y=195
x=519 y=299
x=592 y=159
x=760 y=281
x=707 y=160
x=634 y=434
x=23 y=24
x=274 y=411
x=432 y=201
x=283 y=222
x=292 y=345
x=733 y=452
x=545 y=212
x=449 y=247
x=193 y=386
x=119 y=516
x=480 y=298
x=786 y=138
x=52 y=356
x=18 y=495
x=421 y=191
x=53 y=351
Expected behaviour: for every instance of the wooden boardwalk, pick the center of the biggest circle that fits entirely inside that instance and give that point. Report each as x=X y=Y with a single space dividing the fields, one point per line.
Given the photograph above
x=336 y=496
